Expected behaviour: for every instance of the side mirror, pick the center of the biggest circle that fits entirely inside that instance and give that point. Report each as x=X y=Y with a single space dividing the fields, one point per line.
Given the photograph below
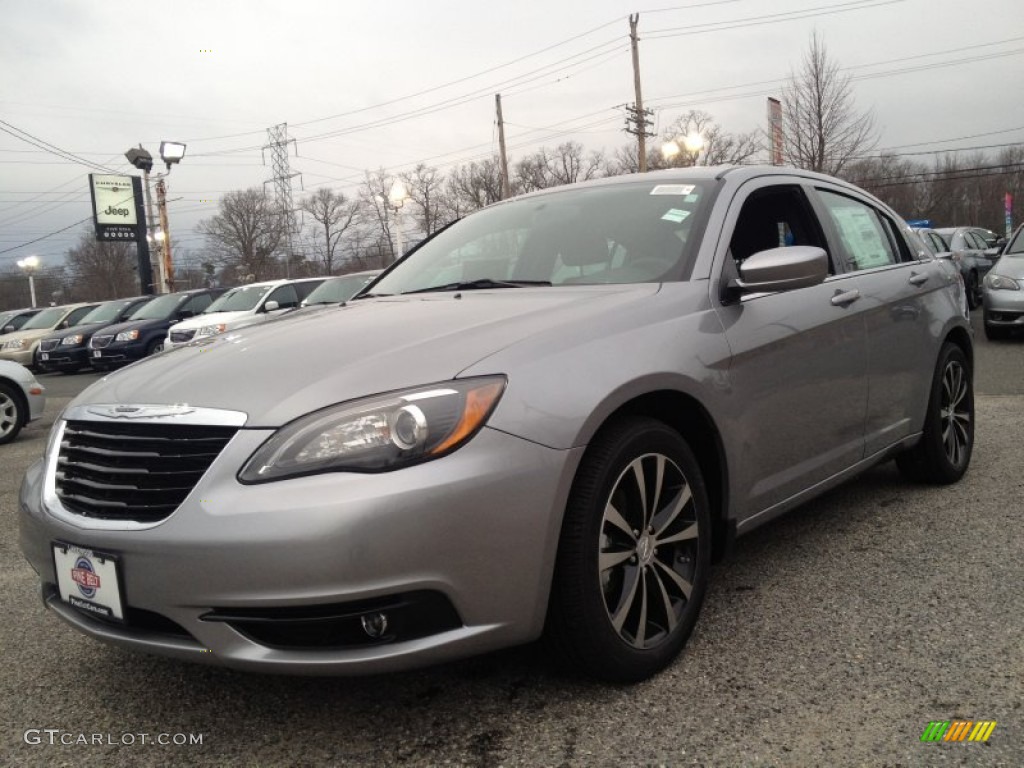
x=943 y=255
x=270 y=306
x=63 y=325
x=7 y=329
x=185 y=314
x=993 y=253
x=782 y=269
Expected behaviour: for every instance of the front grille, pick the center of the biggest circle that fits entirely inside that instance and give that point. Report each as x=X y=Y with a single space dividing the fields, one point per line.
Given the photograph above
x=99 y=342
x=179 y=337
x=141 y=472
x=48 y=345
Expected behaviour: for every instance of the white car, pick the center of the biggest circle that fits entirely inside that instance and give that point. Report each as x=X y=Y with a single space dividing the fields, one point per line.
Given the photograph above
x=242 y=306
x=22 y=399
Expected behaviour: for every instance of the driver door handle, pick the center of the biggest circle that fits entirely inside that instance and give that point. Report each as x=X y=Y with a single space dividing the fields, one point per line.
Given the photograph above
x=842 y=298
x=916 y=279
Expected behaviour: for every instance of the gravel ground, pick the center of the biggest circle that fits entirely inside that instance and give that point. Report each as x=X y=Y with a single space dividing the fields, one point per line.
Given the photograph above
x=830 y=636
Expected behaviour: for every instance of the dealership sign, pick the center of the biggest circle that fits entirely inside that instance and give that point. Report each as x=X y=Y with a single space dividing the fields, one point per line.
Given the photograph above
x=116 y=201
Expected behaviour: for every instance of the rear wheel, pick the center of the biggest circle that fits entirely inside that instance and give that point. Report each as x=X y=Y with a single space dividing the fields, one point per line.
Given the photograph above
x=944 y=452
x=634 y=554
x=13 y=413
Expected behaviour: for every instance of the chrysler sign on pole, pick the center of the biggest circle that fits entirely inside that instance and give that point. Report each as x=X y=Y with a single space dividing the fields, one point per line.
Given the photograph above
x=118 y=216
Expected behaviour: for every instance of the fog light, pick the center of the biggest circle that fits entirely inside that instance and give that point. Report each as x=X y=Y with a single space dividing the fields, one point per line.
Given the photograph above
x=374 y=624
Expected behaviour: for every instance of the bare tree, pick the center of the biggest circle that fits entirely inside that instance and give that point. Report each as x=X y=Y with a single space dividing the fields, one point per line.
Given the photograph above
x=824 y=131
x=426 y=192
x=333 y=214
x=566 y=164
x=373 y=198
x=245 y=234
x=103 y=270
x=471 y=187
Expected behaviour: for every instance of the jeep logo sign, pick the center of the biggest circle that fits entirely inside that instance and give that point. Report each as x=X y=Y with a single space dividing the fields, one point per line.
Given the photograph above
x=113 y=199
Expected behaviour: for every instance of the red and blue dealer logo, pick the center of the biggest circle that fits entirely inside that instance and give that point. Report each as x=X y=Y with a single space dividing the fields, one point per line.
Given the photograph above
x=85 y=576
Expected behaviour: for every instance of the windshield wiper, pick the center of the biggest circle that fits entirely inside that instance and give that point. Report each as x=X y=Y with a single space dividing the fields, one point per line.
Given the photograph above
x=472 y=285
x=367 y=296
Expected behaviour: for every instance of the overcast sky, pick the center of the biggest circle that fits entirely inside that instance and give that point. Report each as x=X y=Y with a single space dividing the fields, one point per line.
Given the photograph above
x=364 y=85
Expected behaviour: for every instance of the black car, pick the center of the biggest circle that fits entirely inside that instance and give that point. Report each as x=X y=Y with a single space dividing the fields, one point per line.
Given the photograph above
x=973 y=257
x=68 y=351
x=145 y=331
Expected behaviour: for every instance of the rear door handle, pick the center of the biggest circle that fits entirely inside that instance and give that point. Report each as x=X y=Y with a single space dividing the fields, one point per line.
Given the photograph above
x=916 y=279
x=842 y=298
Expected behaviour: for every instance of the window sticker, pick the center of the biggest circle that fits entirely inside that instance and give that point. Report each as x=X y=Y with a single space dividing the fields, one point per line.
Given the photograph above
x=675 y=214
x=672 y=189
x=691 y=198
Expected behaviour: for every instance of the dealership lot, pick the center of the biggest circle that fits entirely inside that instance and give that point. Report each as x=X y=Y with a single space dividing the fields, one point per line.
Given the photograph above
x=835 y=634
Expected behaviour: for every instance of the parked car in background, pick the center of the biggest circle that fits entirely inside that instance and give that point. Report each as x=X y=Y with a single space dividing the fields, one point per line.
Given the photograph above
x=22 y=346
x=143 y=333
x=11 y=320
x=22 y=399
x=68 y=351
x=335 y=290
x=546 y=418
x=992 y=239
x=1004 y=290
x=937 y=247
x=243 y=306
x=972 y=255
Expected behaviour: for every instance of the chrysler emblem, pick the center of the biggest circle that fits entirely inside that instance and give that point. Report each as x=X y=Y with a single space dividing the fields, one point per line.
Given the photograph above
x=139 y=411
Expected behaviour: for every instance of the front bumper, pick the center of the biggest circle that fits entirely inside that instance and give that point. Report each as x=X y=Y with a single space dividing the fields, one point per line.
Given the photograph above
x=1004 y=308
x=21 y=356
x=479 y=528
x=116 y=354
x=63 y=359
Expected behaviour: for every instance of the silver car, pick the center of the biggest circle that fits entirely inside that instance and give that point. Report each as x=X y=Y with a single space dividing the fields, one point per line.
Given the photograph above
x=1004 y=290
x=22 y=399
x=548 y=419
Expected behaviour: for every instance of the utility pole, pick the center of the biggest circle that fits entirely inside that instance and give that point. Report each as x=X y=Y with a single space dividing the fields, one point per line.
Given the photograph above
x=277 y=143
x=167 y=265
x=505 y=187
x=637 y=121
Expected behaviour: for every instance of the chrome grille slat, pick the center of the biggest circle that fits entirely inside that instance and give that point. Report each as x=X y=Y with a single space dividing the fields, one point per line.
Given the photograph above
x=153 y=467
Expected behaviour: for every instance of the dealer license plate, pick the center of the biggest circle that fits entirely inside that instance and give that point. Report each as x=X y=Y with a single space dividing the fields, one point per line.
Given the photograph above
x=88 y=580
x=44 y=356
x=97 y=353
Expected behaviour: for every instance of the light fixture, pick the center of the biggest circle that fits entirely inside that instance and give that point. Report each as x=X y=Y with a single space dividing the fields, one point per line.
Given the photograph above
x=171 y=152
x=140 y=158
x=693 y=142
x=398 y=194
x=669 y=150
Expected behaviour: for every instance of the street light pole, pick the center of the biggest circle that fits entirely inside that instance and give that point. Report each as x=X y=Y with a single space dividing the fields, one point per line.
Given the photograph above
x=397 y=197
x=30 y=264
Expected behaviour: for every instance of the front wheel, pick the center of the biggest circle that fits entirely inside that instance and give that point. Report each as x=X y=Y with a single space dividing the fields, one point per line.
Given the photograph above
x=944 y=452
x=154 y=347
x=973 y=291
x=634 y=554
x=12 y=413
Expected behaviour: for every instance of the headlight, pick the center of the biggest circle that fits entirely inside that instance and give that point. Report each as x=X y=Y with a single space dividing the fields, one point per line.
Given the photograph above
x=127 y=336
x=16 y=344
x=71 y=341
x=211 y=330
x=1001 y=283
x=378 y=433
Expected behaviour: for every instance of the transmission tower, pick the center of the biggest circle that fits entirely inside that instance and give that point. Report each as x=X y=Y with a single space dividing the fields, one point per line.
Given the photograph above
x=277 y=143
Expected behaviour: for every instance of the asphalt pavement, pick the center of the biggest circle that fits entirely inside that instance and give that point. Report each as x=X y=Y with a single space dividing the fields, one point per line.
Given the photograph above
x=833 y=635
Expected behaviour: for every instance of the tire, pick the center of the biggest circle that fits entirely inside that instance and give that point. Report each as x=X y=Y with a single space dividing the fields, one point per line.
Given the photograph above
x=627 y=621
x=973 y=291
x=944 y=452
x=13 y=412
x=155 y=346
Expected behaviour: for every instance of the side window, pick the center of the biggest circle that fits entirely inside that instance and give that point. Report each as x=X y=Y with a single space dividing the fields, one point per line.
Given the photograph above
x=197 y=304
x=285 y=296
x=899 y=240
x=78 y=314
x=775 y=217
x=302 y=290
x=861 y=232
x=976 y=241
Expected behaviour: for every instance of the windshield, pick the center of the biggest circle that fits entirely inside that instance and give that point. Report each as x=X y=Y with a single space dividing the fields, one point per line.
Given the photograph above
x=45 y=319
x=106 y=312
x=158 y=309
x=239 y=299
x=337 y=290
x=634 y=232
x=1016 y=246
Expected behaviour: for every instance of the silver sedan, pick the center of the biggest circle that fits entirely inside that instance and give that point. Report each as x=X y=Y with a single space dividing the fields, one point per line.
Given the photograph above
x=547 y=420
x=22 y=399
x=1004 y=290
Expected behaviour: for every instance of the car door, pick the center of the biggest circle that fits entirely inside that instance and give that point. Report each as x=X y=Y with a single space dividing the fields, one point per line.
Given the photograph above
x=798 y=370
x=902 y=292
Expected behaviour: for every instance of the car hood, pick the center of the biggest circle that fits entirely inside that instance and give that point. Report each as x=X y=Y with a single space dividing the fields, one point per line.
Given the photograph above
x=1010 y=266
x=278 y=371
x=198 y=321
x=86 y=329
